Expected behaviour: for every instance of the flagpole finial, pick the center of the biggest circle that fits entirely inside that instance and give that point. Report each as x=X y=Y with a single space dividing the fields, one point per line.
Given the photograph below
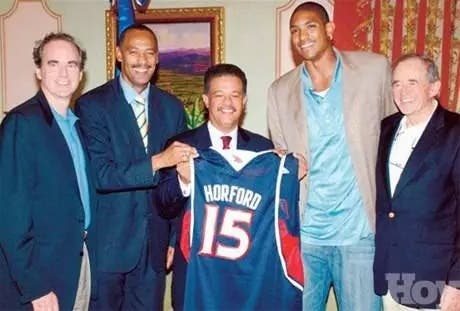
x=141 y=5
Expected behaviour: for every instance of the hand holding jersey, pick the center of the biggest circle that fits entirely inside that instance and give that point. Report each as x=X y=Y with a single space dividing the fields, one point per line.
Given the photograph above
x=245 y=212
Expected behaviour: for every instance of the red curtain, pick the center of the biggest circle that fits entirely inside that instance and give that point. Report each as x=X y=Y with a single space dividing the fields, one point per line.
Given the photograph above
x=395 y=27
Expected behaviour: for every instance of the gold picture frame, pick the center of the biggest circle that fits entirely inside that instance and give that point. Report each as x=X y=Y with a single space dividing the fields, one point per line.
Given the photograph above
x=212 y=15
x=190 y=40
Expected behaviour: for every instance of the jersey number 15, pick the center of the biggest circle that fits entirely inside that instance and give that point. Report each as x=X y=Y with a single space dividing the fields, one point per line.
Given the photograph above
x=235 y=224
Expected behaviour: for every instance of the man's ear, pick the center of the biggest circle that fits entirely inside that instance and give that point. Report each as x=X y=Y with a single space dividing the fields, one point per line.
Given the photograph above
x=205 y=100
x=435 y=88
x=330 y=28
x=38 y=73
x=118 y=54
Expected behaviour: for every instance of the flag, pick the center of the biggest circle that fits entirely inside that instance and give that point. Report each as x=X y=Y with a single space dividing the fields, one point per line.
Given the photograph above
x=125 y=15
x=141 y=5
x=126 y=12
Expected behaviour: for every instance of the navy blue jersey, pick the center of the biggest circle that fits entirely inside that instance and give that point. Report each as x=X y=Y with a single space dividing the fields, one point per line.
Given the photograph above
x=240 y=233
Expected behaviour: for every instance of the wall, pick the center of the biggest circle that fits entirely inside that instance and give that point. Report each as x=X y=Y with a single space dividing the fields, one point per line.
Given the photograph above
x=249 y=41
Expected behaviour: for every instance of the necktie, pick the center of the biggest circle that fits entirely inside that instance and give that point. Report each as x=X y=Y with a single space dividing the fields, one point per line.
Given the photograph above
x=141 y=119
x=226 y=142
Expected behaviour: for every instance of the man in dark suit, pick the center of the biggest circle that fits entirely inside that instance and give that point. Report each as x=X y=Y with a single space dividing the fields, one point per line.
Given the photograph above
x=417 y=259
x=225 y=98
x=126 y=123
x=46 y=192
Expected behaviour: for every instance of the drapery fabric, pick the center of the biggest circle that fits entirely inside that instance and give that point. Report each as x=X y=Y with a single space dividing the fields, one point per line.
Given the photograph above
x=396 y=27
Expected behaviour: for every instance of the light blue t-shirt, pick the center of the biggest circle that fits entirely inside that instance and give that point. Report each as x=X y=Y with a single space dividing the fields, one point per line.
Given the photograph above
x=335 y=213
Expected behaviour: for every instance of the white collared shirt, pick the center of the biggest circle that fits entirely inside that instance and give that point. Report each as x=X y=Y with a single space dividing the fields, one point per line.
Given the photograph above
x=404 y=142
x=216 y=135
x=216 y=142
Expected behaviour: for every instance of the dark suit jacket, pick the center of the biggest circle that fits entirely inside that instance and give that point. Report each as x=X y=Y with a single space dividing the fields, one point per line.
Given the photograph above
x=41 y=214
x=171 y=202
x=423 y=236
x=124 y=172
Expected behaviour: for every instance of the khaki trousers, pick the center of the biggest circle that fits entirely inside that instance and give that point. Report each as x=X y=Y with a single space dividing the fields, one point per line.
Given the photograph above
x=84 y=283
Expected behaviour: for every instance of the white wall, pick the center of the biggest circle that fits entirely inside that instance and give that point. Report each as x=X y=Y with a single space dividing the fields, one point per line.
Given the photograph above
x=249 y=41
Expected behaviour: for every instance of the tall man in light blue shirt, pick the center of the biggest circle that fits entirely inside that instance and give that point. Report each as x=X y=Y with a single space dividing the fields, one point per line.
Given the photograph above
x=46 y=191
x=329 y=109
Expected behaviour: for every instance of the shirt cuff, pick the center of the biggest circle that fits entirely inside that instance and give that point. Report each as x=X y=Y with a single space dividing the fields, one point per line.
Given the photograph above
x=185 y=188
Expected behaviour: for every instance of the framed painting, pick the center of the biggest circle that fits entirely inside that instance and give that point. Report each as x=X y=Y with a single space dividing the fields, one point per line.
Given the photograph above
x=190 y=40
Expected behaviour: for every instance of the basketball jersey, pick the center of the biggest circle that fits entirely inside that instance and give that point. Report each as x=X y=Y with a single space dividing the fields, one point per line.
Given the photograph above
x=240 y=232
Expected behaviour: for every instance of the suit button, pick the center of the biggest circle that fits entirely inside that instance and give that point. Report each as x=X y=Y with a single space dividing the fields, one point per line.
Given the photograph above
x=391 y=215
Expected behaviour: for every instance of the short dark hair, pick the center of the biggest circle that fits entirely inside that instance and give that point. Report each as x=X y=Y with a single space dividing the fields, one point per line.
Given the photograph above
x=432 y=72
x=138 y=27
x=37 y=52
x=220 y=70
x=315 y=7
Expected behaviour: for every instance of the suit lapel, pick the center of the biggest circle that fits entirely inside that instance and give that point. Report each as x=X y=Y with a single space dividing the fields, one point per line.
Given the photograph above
x=386 y=142
x=297 y=111
x=422 y=149
x=126 y=119
x=350 y=78
x=45 y=107
x=243 y=140
x=57 y=137
x=203 y=140
x=156 y=125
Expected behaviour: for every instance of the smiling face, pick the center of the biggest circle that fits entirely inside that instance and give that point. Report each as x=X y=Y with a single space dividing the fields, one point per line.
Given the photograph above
x=412 y=90
x=60 y=72
x=138 y=55
x=225 y=101
x=311 y=37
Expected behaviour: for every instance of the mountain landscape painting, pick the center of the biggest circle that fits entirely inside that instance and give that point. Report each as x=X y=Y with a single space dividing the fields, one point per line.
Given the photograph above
x=185 y=54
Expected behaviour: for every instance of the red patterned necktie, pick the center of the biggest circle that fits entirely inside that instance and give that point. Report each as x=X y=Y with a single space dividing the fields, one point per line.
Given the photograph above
x=226 y=142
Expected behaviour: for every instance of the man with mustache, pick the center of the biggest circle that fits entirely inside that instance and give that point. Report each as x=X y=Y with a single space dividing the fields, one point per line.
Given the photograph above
x=126 y=123
x=225 y=98
x=329 y=109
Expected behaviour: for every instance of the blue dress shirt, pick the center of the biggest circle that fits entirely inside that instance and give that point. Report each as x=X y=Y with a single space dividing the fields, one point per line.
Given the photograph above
x=131 y=94
x=67 y=126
